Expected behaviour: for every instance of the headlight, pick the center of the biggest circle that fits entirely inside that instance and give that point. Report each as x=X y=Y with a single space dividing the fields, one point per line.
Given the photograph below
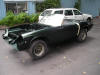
x=6 y=33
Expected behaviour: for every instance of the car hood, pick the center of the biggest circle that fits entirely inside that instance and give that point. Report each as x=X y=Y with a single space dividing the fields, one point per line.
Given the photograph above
x=23 y=30
x=88 y=15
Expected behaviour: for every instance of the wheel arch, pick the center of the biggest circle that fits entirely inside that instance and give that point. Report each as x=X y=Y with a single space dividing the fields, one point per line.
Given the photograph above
x=39 y=38
x=89 y=18
x=83 y=25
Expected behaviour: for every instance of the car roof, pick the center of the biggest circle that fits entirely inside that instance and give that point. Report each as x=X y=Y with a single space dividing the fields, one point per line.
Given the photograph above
x=54 y=9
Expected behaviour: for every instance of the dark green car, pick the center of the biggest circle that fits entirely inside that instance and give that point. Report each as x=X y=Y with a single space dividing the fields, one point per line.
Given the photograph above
x=37 y=37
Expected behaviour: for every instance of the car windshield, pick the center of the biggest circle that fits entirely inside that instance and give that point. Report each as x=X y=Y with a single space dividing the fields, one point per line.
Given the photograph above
x=46 y=13
x=56 y=20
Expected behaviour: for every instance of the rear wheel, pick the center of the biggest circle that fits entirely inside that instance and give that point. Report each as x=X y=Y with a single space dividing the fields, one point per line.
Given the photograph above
x=38 y=49
x=82 y=35
x=89 y=21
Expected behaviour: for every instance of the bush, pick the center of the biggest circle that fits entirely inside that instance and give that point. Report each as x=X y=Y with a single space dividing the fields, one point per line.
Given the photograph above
x=8 y=20
x=34 y=18
x=21 y=18
x=9 y=13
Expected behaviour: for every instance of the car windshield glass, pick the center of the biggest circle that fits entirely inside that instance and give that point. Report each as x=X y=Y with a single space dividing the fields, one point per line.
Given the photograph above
x=46 y=13
x=53 y=20
x=76 y=12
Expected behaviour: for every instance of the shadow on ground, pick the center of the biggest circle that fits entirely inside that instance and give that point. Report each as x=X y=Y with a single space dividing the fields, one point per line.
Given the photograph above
x=24 y=58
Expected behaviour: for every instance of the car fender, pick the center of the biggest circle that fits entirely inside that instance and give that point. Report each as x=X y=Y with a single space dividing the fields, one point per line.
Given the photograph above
x=38 y=37
x=78 y=28
x=86 y=16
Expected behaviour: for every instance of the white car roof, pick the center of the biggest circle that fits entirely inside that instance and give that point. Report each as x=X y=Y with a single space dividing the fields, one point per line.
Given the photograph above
x=54 y=9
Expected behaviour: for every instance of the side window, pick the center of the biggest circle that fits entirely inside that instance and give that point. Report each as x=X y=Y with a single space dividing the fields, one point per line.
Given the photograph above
x=68 y=12
x=76 y=12
x=58 y=12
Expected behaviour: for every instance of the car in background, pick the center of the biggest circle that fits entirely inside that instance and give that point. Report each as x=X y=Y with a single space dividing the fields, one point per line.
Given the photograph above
x=69 y=13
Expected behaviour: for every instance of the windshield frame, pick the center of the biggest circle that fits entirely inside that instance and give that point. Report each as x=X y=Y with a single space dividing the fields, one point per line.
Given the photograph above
x=47 y=13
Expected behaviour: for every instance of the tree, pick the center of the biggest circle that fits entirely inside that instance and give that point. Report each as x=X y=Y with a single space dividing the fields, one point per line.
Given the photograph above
x=47 y=4
x=78 y=4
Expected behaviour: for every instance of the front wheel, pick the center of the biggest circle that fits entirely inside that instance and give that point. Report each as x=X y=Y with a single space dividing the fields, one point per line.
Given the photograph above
x=38 y=49
x=82 y=35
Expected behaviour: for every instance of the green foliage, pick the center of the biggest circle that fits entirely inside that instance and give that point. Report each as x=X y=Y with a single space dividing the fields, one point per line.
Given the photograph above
x=21 y=18
x=8 y=20
x=34 y=18
x=9 y=13
x=47 y=4
x=78 y=4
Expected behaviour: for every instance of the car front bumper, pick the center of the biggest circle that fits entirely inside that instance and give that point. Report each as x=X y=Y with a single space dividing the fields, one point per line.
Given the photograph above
x=15 y=43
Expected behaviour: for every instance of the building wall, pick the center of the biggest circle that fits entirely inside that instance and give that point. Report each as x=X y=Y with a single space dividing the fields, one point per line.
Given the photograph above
x=2 y=9
x=18 y=0
x=87 y=6
x=67 y=3
x=91 y=7
x=31 y=7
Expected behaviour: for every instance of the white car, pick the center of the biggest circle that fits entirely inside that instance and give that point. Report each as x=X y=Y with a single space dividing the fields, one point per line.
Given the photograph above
x=69 y=13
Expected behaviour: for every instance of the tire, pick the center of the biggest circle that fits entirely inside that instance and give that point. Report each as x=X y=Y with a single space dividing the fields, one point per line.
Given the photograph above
x=3 y=36
x=89 y=21
x=82 y=35
x=38 y=49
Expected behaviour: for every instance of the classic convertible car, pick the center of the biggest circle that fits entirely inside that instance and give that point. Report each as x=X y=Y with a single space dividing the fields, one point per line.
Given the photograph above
x=36 y=37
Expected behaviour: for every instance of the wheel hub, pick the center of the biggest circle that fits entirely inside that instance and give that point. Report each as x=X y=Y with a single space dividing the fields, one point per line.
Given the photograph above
x=39 y=49
x=83 y=36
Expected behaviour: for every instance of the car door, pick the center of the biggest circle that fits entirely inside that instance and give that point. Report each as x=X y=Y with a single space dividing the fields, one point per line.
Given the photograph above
x=63 y=32
x=69 y=29
x=55 y=34
x=69 y=15
x=78 y=15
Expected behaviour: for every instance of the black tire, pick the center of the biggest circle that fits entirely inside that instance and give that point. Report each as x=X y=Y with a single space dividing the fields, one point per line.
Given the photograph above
x=82 y=35
x=38 y=49
x=89 y=21
x=3 y=36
